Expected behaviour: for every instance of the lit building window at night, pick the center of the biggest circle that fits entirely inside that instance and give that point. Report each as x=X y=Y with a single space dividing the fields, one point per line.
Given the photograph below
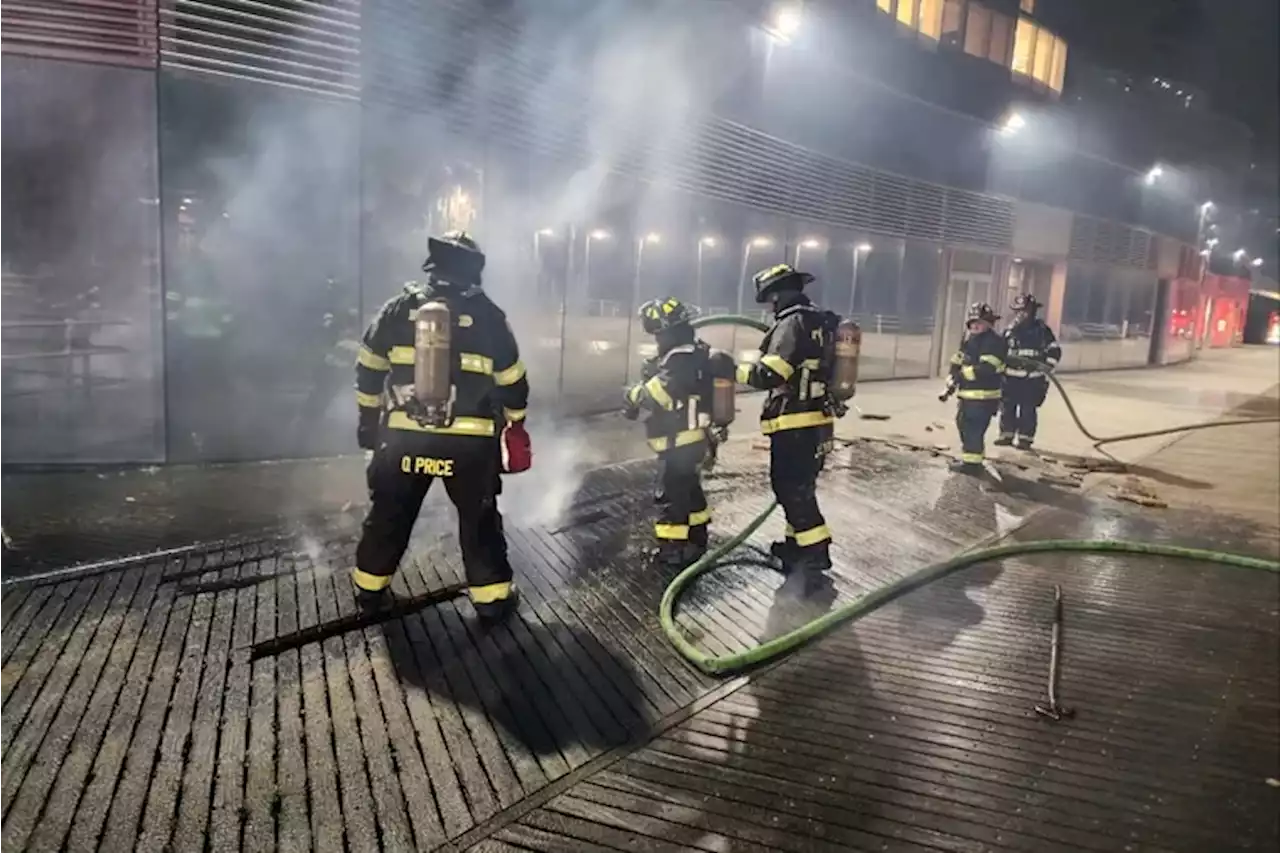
x=1044 y=56
x=907 y=12
x=976 y=30
x=1001 y=36
x=931 y=18
x=1024 y=47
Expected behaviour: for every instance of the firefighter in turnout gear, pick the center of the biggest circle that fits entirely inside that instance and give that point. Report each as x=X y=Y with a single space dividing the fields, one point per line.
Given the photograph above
x=1025 y=385
x=798 y=416
x=679 y=391
x=977 y=371
x=438 y=381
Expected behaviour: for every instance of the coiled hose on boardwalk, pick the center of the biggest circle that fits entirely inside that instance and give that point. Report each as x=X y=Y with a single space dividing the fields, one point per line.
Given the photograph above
x=781 y=645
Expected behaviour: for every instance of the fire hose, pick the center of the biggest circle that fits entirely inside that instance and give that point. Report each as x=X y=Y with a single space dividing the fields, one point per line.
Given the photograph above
x=781 y=645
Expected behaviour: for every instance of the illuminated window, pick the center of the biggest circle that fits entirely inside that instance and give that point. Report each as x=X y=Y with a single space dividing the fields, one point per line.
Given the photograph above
x=1001 y=34
x=1044 y=56
x=1028 y=6
x=931 y=18
x=885 y=6
x=952 y=21
x=907 y=12
x=1059 y=66
x=976 y=29
x=1024 y=46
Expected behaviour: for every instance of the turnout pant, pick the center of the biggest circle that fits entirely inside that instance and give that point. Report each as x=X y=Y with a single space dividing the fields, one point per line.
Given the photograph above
x=972 y=418
x=1021 y=399
x=682 y=506
x=795 y=458
x=400 y=474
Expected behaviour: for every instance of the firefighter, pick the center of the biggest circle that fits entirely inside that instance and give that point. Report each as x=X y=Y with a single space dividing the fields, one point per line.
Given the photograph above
x=977 y=370
x=1025 y=385
x=798 y=414
x=438 y=381
x=679 y=390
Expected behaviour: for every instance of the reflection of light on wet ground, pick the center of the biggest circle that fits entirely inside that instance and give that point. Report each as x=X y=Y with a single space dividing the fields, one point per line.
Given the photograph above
x=601 y=346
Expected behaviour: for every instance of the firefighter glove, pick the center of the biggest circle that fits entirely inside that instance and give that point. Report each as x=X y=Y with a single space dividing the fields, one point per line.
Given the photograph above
x=630 y=412
x=367 y=430
x=517 y=450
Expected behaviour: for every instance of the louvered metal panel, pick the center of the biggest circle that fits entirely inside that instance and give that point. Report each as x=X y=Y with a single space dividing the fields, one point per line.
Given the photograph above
x=307 y=45
x=1105 y=242
x=110 y=32
x=475 y=70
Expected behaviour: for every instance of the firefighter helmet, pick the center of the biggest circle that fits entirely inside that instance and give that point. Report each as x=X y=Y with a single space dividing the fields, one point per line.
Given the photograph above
x=1025 y=302
x=454 y=257
x=981 y=311
x=659 y=315
x=777 y=278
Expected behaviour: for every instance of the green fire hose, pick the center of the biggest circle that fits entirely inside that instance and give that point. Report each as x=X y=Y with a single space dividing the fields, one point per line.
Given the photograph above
x=781 y=645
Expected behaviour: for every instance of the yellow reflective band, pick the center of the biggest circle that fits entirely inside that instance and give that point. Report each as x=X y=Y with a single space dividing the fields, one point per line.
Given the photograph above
x=813 y=535
x=971 y=458
x=1030 y=353
x=460 y=426
x=658 y=392
x=697 y=519
x=671 y=531
x=743 y=373
x=968 y=372
x=369 y=401
x=810 y=363
x=799 y=420
x=490 y=592
x=958 y=358
x=368 y=582
x=979 y=394
x=372 y=361
x=476 y=363
x=633 y=395
x=401 y=355
x=510 y=376
x=688 y=436
x=789 y=531
x=513 y=415
x=995 y=361
x=778 y=365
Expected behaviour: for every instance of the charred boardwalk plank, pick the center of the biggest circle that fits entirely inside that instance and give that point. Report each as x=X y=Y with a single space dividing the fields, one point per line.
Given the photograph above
x=174 y=705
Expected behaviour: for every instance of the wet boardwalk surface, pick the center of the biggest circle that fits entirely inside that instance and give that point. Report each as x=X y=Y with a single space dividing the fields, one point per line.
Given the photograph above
x=164 y=707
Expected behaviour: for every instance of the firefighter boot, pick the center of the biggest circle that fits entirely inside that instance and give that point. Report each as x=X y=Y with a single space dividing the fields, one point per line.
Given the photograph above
x=373 y=602
x=1005 y=440
x=677 y=556
x=973 y=469
x=497 y=612
x=1023 y=443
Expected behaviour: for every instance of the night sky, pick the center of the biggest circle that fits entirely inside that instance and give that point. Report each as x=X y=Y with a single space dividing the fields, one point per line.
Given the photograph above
x=1226 y=47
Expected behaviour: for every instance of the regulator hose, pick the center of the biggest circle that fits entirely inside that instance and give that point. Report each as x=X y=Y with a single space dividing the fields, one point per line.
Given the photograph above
x=778 y=646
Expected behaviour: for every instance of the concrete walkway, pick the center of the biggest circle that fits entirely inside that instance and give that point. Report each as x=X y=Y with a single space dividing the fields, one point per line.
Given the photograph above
x=1110 y=403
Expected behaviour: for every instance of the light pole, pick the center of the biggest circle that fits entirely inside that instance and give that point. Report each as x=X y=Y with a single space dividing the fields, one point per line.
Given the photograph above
x=537 y=252
x=652 y=238
x=859 y=249
x=807 y=243
x=761 y=242
x=597 y=234
x=704 y=243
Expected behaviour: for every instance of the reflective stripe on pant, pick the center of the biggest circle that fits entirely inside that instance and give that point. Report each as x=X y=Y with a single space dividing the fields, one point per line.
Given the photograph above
x=397 y=497
x=794 y=463
x=682 y=505
x=972 y=419
x=1019 y=405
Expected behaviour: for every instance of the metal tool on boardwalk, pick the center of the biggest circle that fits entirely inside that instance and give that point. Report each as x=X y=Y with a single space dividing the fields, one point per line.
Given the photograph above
x=1053 y=710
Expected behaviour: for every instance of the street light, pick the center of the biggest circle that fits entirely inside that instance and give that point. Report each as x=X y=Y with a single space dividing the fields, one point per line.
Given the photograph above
x=807 y=243
x=1211 y=242
x=785 y=23
x=1238 y=254
x=859 y=250
x=759 y=242
x=1014 y=123
x=597 y=234
x=707 y=242
x=651 y=239
x=1156 y=171
x=1257 y=262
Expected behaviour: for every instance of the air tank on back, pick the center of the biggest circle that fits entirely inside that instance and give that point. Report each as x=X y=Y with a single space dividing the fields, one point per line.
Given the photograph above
x=432 y=363
x=844 y=369
x=723 y=388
